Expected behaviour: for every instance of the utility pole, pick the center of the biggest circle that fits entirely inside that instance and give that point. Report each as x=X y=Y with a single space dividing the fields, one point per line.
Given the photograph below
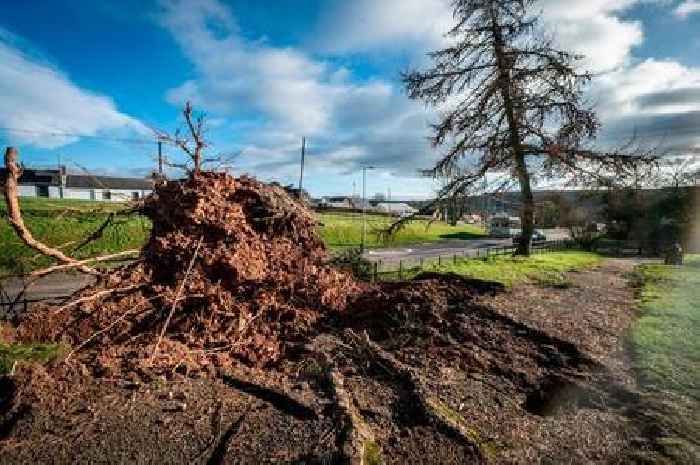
x=301 y=173
x=160 y=157
x=364 y=196
x=61 y=177
x=364 y=206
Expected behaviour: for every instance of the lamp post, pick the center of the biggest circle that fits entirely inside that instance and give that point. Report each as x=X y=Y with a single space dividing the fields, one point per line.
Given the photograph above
x=364 y=206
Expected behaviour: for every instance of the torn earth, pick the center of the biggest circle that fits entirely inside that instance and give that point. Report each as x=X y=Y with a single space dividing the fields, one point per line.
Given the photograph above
x=233 y=331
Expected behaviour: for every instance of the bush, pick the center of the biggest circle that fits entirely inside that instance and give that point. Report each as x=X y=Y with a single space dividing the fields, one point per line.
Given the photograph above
x=352 y=260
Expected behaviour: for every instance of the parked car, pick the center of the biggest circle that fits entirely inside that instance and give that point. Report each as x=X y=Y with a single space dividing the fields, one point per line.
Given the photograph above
x=537 y=236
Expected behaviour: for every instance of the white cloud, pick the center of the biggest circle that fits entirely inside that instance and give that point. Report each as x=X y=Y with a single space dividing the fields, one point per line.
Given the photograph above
x=294 y=94
x=687 y=8
x=234 y=74
x=590 y=27
x=290 y=93
x=659 y=100
x=369 y=25
x=38 y=99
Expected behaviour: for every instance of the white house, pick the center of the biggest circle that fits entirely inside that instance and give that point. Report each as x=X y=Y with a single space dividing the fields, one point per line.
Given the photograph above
x=57 y=184
x=395 y=208
x=503 y=225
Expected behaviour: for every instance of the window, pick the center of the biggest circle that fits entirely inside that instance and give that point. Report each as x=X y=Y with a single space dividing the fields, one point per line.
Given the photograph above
x=92 y=194
x=134 y=195
x=106 y=195
x=42 y=191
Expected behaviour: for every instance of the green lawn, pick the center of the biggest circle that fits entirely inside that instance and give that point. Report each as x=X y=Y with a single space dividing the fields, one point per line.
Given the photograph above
x=544 y=269
x=666 y=339
x=345 y=230
x=11 y=353
x=65 y=223
x=666 y=354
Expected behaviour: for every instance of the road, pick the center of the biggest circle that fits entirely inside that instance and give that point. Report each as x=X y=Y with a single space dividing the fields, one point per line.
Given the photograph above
x=54 y=287
x=60 y=285
x=461 y=247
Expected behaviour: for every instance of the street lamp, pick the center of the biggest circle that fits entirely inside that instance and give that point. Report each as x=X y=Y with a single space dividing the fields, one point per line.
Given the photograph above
x=364 y=206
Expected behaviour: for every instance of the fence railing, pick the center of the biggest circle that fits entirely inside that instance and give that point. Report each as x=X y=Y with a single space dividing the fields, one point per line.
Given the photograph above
x=401 y=269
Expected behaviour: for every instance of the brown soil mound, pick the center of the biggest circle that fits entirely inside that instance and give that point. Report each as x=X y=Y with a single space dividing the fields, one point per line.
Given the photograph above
x=258 y=282
x=440 y=315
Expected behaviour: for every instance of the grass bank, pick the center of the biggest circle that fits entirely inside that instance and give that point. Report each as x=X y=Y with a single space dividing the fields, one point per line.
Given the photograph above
x=544 y=269
x=11 y=353
x=65 y=223
x=666 y=338
x=345 y=230
x=666 y=354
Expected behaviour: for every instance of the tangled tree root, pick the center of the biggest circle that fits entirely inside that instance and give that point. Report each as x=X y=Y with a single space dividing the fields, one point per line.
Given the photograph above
x=432 y=408
x=234 y=269
x=356 y=440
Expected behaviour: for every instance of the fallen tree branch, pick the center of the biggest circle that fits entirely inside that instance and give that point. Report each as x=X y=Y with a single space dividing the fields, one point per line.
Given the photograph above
x=65 y=266
x=177 y=296
x=96 y=296
x=96 y=234
x=14 y=215
x=131 y=311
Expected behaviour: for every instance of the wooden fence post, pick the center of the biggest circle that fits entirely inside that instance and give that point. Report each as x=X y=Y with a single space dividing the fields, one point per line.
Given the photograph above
x=400 y=270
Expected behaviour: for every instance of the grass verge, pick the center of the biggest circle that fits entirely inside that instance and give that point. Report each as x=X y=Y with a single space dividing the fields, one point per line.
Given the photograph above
x=666 y=338
x=11 y=353
x=65 y=223
x=544 y=269
x=666 y=355
x=345 y=230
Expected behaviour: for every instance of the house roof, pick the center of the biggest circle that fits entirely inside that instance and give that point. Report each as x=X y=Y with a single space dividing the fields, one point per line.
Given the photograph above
x=34 y=176
x=81 y=181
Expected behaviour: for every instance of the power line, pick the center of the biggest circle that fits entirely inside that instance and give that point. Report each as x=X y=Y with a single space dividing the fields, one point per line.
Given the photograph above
x=71 y=134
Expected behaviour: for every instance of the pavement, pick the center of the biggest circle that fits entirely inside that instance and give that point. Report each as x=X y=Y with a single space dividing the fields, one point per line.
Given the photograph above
x=53 y=287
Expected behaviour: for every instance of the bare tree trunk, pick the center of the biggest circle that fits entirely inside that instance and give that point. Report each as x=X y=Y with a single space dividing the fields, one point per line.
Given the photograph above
x=506 y=90
x=527 y=213
x=15 y=216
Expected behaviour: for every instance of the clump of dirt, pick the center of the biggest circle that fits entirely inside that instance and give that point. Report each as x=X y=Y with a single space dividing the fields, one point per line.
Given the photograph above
x=440 y=317
x=239 y=264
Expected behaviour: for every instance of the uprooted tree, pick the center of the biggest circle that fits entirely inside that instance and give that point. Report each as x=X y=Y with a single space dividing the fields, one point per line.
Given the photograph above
x=519 y=106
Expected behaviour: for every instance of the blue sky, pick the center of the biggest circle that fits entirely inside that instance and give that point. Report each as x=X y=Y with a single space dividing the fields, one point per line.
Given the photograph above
x=268 y=73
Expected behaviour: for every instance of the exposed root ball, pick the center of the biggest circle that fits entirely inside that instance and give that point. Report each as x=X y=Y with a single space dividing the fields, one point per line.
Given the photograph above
x=259 y=281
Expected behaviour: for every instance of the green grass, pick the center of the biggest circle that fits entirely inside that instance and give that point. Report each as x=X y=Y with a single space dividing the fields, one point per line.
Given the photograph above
x=65 y=223
x=345 y=230
x=544 y=269
x=11 y=353
x=665 y=342
x=666 y=338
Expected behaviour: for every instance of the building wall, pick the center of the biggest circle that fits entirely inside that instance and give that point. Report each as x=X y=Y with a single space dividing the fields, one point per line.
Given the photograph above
x=117 y=195
x=26 y=191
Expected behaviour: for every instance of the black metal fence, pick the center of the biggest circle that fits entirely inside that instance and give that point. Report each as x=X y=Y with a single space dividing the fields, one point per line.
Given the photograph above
x=405 y=268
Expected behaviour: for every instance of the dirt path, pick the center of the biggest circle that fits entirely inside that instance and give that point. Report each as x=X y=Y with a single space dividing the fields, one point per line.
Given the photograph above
x=529 y=376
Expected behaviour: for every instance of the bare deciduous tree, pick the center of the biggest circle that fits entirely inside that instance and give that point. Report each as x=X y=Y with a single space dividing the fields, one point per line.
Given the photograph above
x=514 y=104
x=195 y=144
